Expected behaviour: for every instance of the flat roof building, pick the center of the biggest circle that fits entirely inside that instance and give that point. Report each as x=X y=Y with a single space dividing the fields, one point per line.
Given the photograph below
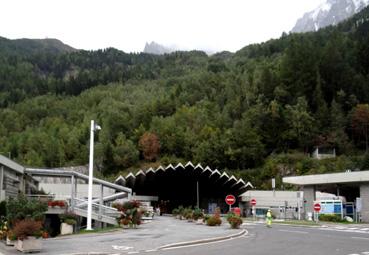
x=354 y=186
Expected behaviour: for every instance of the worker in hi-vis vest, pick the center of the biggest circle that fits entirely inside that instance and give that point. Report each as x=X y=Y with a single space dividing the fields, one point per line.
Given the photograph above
x=269 y=219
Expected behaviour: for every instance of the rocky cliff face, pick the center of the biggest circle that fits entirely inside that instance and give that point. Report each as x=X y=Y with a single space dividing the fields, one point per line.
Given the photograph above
x=329 y=13
x=155 y=48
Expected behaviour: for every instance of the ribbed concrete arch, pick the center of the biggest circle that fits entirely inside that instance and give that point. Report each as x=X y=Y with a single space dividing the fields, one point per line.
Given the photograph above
x=177 y=185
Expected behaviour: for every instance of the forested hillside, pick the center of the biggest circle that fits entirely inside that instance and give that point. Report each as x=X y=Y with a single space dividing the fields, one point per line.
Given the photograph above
x=258 y=112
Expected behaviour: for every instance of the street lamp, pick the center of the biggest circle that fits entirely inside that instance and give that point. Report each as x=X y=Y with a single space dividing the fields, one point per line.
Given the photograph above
x=94 y=127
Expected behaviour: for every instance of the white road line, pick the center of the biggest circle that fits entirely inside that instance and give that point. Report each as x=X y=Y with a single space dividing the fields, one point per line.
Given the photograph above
x=357 y=237
x=121 y=248
x=133 y=252
x=199 y=244
x=365 y=229
x=344 y=230
x=151 y=250
x=365 y=252
x=292 y=231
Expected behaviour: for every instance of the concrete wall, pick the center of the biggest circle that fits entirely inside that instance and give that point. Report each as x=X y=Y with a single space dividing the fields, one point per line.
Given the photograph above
x=12 y=182
x=64 y=191
x=309 y=197
x=364 y=194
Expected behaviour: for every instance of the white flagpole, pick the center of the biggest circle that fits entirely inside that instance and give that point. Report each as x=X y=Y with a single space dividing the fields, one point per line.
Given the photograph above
x=90 y=177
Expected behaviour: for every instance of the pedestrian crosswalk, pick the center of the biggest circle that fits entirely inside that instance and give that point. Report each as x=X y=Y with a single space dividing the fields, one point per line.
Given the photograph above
x=361 y=253
x=361 y=230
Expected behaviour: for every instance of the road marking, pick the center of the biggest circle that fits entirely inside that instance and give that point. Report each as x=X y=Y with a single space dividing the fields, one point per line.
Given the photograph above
x=121 y=248
x=151 y=250
x=293 y=231
x=345 y=230
x=365 y=252
x=357 y=237
x=249 y=224
x=133 y=252
x=199 y=244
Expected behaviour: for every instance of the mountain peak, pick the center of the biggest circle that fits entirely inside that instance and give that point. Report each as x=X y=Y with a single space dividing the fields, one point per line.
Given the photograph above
x=156 y=48
x=328 y=13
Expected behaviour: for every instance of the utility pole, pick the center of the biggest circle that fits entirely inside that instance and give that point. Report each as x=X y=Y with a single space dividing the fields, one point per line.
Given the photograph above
x=198 y=195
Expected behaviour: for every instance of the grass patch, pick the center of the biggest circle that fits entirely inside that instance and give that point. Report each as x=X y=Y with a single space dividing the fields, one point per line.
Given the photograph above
x=291 y=222
x=298 y=222
x=99 y=230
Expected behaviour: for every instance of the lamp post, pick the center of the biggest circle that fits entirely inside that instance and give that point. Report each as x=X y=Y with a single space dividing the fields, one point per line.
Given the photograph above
x=94 y=127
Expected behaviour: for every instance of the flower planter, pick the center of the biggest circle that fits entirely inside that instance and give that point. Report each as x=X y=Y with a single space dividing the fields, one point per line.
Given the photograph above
x=125 y=226
x=66 y=229
x=199 y=222
x=10 y=242
x=31 y=244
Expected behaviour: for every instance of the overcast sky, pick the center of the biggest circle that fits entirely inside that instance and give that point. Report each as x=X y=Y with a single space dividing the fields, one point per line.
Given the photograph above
x=127 y=24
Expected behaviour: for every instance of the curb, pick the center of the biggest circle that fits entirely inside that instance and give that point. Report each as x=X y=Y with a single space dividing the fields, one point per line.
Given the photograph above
x=202 y=241
x=281 y=223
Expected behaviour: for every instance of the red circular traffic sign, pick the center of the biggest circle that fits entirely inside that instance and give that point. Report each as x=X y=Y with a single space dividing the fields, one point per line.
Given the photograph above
x=317 y=207
x=230 y=199
x=253 y=202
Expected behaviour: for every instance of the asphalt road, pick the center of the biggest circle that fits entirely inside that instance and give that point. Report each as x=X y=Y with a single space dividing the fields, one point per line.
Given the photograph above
x=149 y=239
x=283 y=240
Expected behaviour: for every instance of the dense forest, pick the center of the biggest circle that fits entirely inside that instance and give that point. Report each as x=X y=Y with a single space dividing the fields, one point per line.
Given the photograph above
x=258 y=112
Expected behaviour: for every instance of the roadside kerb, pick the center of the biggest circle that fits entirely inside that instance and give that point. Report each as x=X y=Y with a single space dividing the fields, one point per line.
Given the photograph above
x=318 y=225
x=90 y=253
x=203 y=241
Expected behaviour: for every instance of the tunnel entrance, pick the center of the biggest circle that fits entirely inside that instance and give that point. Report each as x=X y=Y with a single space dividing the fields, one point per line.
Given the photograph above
x=187 y=185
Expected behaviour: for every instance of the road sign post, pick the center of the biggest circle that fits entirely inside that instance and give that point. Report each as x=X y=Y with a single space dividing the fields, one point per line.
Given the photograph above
x=253 y=204
x=317 y=208
x=230 y=200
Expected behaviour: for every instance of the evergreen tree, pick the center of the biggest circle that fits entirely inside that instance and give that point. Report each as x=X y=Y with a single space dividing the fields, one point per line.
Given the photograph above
x=320 y=106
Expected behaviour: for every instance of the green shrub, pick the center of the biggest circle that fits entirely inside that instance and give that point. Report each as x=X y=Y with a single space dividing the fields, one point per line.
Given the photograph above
x=234 y=220
x=187 y=213
x=175 y=212
x=197 y=214
x=69 y=218
x=230 y=215
x=131 y=213
x=70 y=221
x=3 y=208
x=330 y=217
x=214 y=221
x=21 y=208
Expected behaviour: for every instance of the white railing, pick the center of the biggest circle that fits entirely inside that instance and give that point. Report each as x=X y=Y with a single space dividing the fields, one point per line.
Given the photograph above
x=41 y=197
x=97 y=208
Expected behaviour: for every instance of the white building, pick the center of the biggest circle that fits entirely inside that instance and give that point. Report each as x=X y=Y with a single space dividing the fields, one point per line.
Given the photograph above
x=284 y=204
